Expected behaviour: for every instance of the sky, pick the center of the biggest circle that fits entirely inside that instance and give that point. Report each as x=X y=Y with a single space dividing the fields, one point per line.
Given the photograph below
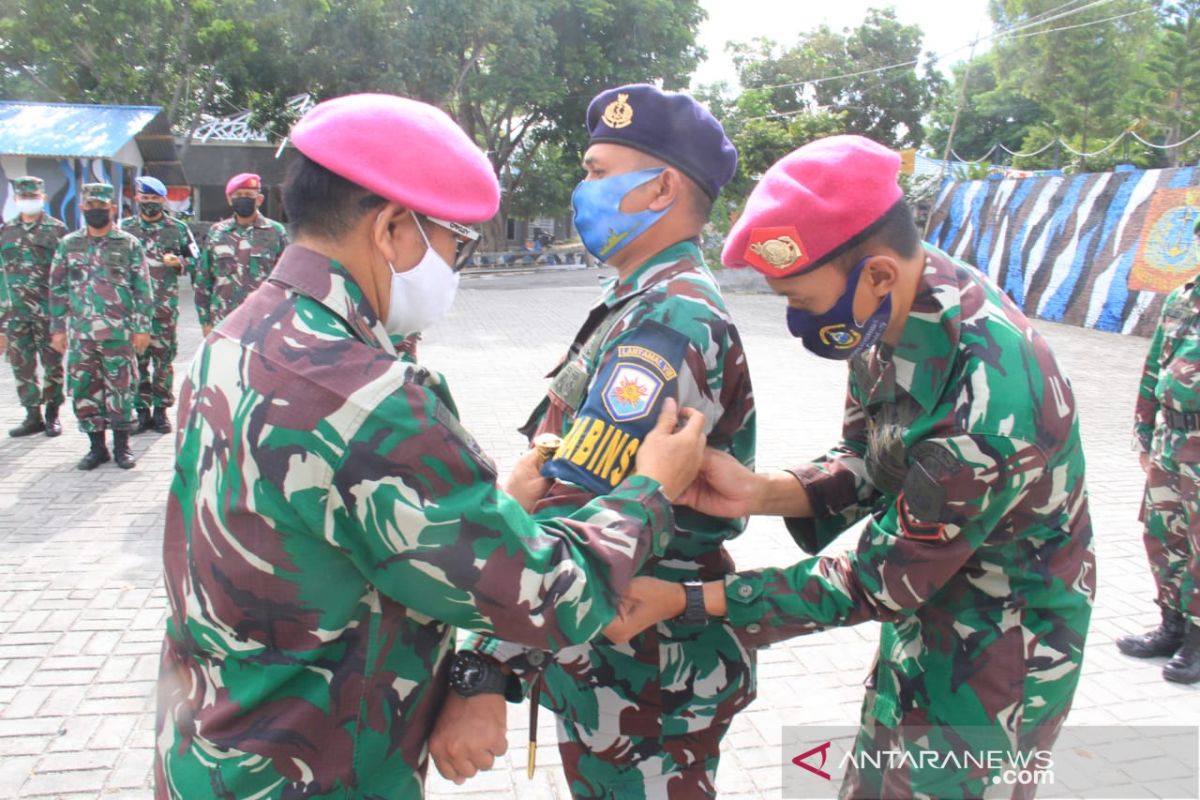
x=949 y=27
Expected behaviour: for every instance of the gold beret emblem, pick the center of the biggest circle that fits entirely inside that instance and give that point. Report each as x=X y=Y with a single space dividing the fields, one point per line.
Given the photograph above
x=618 y=113
x=779 y=253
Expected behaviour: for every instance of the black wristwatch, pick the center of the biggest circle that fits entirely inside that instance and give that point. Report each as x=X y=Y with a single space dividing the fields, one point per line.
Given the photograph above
x=693 y=612
x=472 y=674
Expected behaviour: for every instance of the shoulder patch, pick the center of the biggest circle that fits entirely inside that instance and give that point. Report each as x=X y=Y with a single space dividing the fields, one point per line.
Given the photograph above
x=621 y=407
x=922 y=505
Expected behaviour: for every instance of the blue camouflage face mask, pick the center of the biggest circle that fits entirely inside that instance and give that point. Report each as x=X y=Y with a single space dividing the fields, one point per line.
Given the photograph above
x=604 y=228
x=836 y=334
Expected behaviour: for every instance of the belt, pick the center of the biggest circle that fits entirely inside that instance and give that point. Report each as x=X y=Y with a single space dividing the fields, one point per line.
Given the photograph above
x=1186 y=420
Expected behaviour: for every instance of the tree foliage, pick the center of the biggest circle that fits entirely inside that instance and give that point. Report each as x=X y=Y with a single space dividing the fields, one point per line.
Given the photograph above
x=516 y=74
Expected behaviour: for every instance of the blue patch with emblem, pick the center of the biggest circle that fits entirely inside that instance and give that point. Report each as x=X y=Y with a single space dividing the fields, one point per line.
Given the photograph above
x=623 y=402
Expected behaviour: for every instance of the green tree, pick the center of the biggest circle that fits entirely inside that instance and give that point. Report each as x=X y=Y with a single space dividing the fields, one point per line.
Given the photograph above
x=1174 y=110
x=869 y=76
x=516 y=74
x=993 y=113
x=1086 y=70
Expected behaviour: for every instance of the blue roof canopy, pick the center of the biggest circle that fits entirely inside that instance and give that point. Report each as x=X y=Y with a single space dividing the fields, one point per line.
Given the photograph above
x=70 y=130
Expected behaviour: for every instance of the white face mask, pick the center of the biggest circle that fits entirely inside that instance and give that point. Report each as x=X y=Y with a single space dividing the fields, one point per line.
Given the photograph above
x=28 y=206
x=422 y=295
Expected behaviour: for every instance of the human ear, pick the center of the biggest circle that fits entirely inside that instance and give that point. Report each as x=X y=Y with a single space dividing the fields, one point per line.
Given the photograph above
x=383 y=231
x=668 y=189
x=882 y=275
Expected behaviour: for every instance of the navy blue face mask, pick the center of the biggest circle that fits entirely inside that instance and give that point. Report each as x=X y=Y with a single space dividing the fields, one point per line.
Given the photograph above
x=836 y=334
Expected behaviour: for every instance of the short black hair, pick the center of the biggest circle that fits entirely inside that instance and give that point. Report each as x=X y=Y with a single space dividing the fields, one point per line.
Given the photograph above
x=321 y=203
x=896 y=230
x=701 y=205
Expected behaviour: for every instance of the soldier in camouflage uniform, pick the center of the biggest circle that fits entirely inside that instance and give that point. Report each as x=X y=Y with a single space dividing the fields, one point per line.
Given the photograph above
x=170 y=250
x=645 y=719
x=239 y=253
x=27 y=244
x=330 y=518
x=960 y=448
x=100 y=294
x=1167 y=434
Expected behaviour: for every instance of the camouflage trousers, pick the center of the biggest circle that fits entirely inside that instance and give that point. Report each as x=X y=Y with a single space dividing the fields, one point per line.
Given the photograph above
x=156 y=366
x=101 y=375
x=613 y=766
x=1171 y=515
x=29 y=342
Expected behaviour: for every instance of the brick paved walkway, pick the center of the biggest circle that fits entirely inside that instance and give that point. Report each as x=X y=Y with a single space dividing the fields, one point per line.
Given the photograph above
x=81 y=600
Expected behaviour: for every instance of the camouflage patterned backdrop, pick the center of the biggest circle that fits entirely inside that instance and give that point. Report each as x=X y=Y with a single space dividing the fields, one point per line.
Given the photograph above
x=1097 y=250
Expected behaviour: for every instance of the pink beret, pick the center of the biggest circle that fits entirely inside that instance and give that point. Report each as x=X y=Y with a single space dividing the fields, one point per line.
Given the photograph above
x=811 y=204
x=404 y=150
x=243 y=180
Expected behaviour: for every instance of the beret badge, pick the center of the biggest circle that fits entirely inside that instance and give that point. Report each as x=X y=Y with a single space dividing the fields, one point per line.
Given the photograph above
x=777 y=249
x=618 y=114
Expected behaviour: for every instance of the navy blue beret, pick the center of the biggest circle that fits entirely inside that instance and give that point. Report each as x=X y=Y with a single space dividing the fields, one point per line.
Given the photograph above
x=670 y=126
x=149 y=185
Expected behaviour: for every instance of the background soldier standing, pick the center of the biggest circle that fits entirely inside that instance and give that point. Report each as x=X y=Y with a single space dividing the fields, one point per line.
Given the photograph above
x=239 y=252
x=27 y=244
x=100 y=292
x=169 y=249
x=1167 y=430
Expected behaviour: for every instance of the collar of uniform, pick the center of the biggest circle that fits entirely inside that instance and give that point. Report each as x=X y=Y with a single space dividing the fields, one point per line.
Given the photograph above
x=330 y=284
x=668 y=263
x=259 y=221
x=921 y=361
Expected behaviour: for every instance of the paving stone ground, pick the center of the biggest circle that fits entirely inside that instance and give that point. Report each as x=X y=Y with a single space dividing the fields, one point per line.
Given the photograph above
x=82 y=602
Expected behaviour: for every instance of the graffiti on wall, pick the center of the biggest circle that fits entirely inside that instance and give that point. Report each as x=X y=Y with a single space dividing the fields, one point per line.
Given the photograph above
x=1098 y=250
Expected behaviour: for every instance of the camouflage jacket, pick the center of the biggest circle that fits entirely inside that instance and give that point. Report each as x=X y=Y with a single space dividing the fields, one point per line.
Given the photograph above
x=236 y=259
x=100 y=287
x=1171 y=379
x=662 y=331
x=164 y=235
x=25 y=255
x=329 y=521
x=961 y=446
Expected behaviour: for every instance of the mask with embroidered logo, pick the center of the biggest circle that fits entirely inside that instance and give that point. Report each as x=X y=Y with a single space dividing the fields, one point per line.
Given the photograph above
x=836 y=334
x=604 y=228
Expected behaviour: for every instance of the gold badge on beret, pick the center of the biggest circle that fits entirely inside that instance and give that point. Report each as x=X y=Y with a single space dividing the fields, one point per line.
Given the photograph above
x=776 y=249
x=618 y=113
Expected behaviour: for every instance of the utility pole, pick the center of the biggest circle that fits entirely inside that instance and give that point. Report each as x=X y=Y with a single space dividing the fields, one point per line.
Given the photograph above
x=962 y=97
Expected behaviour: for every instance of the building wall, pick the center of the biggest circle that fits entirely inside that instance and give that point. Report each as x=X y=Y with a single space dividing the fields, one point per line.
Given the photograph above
x=1098 y=250
x=208 y=167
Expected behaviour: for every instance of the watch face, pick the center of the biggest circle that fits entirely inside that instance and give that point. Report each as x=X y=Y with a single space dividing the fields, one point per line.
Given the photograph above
x=466 y=673
x=469 y=675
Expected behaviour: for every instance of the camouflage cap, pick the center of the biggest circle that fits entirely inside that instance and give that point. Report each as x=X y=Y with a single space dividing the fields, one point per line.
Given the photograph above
x=28 y=185
x=97 y=191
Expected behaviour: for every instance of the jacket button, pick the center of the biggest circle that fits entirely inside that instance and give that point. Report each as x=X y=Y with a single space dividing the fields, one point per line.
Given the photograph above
x=745 y=590
x=753 y=628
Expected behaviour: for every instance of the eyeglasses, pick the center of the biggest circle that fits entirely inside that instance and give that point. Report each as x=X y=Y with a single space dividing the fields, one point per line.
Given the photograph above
x=466 y=240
